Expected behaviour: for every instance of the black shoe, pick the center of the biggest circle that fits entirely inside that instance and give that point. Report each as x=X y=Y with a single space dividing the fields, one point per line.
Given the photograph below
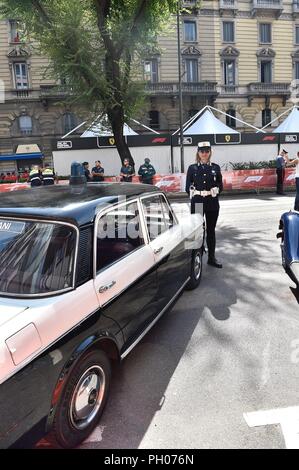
x=214 y=262
x=281 y=194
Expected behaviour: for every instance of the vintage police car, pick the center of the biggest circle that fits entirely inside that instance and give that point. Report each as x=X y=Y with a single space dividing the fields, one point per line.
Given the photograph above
x=85 y=272
x=289 y=235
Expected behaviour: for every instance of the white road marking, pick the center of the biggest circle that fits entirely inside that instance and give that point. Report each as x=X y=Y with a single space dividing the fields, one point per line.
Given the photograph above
x=266 y=368
x=96 y=435
x=288 y=418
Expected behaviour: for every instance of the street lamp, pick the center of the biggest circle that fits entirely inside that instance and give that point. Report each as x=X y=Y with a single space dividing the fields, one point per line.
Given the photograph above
x=180 y=87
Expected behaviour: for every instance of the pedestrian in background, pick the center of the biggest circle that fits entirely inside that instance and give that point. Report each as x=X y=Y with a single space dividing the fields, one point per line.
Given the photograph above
x=98 y=172
x=127 y=171
x=35 y=177
x=295 y=162
x=146 y=172
x=86 y=171
x=48 y=175
x=281 y=160
x=204 y=184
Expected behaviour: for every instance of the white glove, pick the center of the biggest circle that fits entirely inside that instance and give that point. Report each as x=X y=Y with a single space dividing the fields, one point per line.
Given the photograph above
x=214 y=191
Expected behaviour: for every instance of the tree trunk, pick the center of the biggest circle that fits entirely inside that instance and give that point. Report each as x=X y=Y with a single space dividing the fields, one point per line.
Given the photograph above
x=116 y=119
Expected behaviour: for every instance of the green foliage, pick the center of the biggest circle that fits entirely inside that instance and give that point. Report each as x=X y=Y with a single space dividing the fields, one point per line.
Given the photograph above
x=253 y=165
x=92 y=44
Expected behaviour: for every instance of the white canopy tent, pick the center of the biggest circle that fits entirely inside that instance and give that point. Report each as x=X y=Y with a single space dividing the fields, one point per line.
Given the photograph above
x=99 y=130
x=291 y=123
x=207 y=123
x=204 y=122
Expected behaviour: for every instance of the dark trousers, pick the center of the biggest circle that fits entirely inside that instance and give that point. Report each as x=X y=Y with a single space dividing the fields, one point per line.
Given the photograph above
x=280 y=179
x=211 y=217
x=296 y=207
x=211 y=221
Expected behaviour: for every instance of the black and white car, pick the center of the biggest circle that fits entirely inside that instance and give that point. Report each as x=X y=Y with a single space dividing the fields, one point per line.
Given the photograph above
x=85 y=272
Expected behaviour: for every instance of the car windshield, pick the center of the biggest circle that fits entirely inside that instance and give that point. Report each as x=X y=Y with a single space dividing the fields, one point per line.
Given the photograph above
x=35 y=257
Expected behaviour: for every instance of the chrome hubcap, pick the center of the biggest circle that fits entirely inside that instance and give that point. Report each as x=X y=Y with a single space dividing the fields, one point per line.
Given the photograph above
x=197 y=266
x=87 y=397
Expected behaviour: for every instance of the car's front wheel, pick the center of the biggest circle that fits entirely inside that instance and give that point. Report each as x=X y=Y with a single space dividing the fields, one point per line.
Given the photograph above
x=196 y=269
x=83 y=400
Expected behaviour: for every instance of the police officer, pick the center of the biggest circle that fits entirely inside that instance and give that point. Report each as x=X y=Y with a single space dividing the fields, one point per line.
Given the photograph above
x=98 y=172
x=48 y=175
x=203 y=184
x=127 y=172
x=146 y=171
x=281 y=160
x=35 y=177
x=86 y=171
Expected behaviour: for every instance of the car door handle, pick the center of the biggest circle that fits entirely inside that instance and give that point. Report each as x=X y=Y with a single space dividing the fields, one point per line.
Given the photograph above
x=158 y=250
x=103 y=289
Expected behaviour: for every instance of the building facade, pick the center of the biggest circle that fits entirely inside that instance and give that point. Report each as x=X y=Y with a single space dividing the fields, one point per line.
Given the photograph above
x=31 y=113
x=240 y=56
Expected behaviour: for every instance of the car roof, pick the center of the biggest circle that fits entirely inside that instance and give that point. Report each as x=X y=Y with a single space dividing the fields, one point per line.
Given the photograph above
x=77 y=204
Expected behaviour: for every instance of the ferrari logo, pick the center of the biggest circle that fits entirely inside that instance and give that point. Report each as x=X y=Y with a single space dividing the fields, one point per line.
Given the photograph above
x=227 y=138
x=112 y=141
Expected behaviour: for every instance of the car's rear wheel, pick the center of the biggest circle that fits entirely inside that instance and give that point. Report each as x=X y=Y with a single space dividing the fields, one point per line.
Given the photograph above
x=83 y=400
x=196 y=269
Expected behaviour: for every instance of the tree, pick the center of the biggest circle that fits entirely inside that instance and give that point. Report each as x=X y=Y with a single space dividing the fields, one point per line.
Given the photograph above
x=95 y=45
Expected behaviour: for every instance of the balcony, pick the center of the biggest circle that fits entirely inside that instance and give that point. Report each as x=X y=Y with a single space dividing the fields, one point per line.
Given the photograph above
x=269 y=89
x=172 y=89
x=38 y=94
x=228 y=5
x=229 y=90
x=263 y=6
x=22 y=95
x=55 y=91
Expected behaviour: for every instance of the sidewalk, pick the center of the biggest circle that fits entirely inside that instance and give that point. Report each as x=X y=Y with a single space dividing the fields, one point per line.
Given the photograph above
x=290 y=191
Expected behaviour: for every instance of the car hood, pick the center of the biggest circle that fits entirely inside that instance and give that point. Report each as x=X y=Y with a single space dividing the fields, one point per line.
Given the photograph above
x=7 y=312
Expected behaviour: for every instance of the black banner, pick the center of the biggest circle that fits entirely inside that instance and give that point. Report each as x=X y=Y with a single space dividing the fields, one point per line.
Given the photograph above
x=86 y=143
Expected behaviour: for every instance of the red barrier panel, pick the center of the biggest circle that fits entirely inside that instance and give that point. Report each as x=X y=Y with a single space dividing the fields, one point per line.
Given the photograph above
x=255 y=179
x=232 y=180
x=13 y=187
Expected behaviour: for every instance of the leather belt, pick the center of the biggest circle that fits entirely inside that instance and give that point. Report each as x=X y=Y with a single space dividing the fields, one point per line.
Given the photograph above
x=201 y=193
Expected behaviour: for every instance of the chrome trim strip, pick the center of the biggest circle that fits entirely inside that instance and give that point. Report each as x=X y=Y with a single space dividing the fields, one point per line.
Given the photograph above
x=53 y=222
x=127 y=351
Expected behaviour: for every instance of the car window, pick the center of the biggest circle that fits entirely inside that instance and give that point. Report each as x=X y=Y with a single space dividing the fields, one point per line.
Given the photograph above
x=36 y=258
x=158 y=216
x=118 y=234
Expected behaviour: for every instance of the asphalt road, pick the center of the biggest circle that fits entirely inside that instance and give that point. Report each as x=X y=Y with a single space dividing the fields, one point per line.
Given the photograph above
x=228 y=348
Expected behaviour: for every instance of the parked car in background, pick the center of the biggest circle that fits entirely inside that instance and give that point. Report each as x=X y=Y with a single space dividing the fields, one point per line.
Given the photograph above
x=85 y=272
x=289 y=235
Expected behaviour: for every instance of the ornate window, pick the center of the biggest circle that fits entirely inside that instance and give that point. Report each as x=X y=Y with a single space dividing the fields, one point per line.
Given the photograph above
x=266 y=116
x=228 y=31
x=16 y=31
x=19 y=64
x=190 y=31
x=25 y=125
x=229 y=119
x=265 y=58
x=21 y=75
x=69 y=122
x=154 y=119
x=229 y=62
x=151 y=70
x=191 y=59
x=265 y=33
